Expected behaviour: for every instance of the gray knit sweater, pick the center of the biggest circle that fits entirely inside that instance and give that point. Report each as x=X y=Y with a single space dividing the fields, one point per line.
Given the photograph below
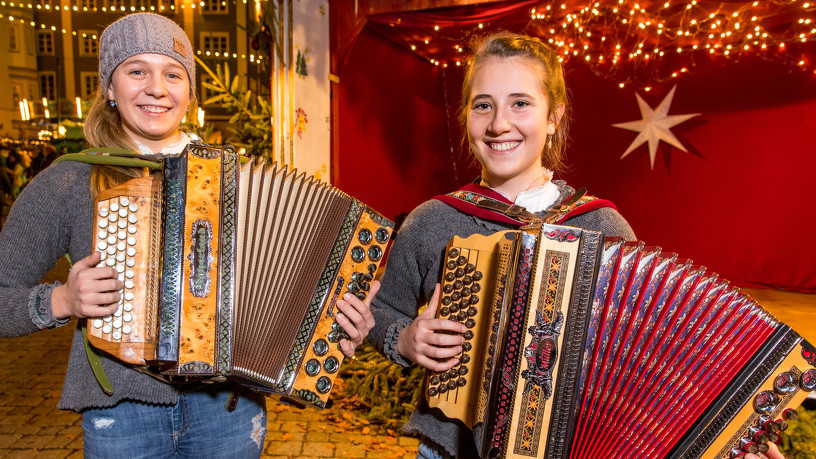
x=52 y=217
x=413 y=269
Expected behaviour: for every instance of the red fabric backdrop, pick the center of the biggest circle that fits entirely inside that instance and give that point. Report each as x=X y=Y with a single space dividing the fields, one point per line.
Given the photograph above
x=740 y=203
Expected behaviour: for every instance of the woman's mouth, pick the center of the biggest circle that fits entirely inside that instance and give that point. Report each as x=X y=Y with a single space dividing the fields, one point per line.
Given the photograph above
x=154 y=108
x=503 y=146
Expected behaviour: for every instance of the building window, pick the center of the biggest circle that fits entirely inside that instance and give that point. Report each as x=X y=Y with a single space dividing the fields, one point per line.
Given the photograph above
x=44 y=3
x=45 y=42
x=14 y=39
x=90 y=83
x=16 y=94
x=115 y=5
x=88 y=5
x=214 y=6
x=88 y=42
x=214 y=42
x=48 y=85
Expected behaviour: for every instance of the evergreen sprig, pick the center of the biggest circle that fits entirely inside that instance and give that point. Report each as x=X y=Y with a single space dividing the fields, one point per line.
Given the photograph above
x=387 y=392
x=251 y=123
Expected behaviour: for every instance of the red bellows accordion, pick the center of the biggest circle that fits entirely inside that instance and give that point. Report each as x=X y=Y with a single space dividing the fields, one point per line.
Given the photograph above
x=580 y=346
x=232 y=272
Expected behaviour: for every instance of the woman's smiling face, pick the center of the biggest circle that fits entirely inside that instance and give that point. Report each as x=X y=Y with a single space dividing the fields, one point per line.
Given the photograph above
x=508 y=121
x=152 y=92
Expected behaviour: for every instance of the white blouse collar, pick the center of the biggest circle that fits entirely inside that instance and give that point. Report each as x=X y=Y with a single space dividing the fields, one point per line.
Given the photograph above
x=538 y=198
x=174 y=149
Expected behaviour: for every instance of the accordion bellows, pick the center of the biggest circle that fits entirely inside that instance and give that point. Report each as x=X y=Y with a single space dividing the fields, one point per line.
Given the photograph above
x=232 y=272
x=581 y=346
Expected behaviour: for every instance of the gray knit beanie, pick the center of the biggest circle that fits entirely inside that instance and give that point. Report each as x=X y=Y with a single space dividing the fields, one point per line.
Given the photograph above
x=141 y=33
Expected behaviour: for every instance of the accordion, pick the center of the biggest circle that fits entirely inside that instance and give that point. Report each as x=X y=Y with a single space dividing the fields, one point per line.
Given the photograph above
x=232 y=272
x=580 y=346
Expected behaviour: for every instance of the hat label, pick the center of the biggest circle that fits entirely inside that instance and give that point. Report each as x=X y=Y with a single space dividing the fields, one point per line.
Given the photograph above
x=178 y=47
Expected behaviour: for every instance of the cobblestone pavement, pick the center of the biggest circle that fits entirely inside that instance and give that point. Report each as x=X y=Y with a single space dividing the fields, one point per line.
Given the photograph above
x=31 y=426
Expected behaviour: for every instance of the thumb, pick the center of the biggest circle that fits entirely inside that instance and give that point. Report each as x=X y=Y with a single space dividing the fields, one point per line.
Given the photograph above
x=88 y=262
x=375 y=287
x=433 y=305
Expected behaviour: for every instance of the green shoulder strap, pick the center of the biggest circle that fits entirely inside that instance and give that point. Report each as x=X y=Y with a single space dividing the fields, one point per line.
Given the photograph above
x=95 y=361
x=112 y=157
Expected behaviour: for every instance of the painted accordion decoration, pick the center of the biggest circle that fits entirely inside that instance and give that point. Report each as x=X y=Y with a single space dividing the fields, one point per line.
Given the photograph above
x=581 y=346
x=232 y=272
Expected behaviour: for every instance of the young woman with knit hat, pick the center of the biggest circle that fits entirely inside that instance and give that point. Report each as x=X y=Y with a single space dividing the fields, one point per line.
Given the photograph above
x=147 y=85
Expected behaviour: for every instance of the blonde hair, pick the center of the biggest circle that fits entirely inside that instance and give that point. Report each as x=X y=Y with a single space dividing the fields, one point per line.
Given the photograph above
x=545 y=62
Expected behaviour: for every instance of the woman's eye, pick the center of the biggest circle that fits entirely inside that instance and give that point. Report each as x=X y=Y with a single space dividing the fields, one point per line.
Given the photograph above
x=520 y=103
x=136 y=72
x=481 y=106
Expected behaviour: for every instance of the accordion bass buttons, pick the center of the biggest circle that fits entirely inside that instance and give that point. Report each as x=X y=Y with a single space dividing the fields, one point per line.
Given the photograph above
x=320 y=347
x=358 y=254
x=790 y=414
x=765 y=402
x=382 y=235
x=312 y=367
x=365 y=236
x=331 y=365
x=375 y=252
x=785 y=383
x=323 y=384
x=808 y=380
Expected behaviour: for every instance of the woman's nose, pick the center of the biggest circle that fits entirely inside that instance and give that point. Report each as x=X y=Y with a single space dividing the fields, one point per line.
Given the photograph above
x=156 y=87
x=500 y=122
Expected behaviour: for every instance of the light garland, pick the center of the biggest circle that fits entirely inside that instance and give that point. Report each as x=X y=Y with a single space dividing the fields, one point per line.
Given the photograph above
x=74 y=33
x=123 y=9
x=633 y=44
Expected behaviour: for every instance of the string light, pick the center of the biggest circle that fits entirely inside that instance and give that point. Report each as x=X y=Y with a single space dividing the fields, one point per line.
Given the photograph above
x=656 y=42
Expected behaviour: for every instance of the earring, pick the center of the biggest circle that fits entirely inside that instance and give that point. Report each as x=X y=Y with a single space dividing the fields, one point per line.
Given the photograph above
x=112 y=103
x=549 y=141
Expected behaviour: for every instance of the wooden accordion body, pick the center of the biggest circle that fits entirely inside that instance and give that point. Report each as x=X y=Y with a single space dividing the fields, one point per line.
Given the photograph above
x=232 y=272
x=581 y=346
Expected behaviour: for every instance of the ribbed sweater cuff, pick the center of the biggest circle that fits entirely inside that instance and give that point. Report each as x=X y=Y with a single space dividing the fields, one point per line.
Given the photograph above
x=39 y=307
x=391 y=338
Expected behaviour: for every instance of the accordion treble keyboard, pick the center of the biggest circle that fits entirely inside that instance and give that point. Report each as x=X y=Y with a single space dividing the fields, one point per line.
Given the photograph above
x=473 y=285
x=127 y=223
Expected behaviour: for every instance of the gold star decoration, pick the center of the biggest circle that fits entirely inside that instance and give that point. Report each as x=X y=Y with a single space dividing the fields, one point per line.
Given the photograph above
x=655 y=126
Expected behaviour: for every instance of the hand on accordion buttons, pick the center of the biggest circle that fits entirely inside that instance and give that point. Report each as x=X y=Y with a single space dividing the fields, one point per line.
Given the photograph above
x=773 y=453
x=431 y=342
x=89 y=291
x=356 y=319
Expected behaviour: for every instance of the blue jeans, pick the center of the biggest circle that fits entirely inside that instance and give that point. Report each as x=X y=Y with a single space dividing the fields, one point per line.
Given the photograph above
x=197 y=426
x=430 y=450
